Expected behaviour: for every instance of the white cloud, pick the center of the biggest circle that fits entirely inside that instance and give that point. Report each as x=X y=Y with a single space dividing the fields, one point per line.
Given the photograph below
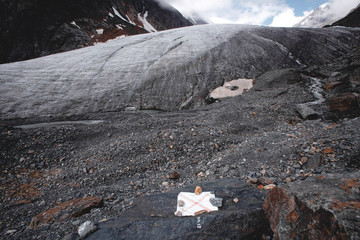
x=259 y=12
x=340 y=8
x=230 y=11
x=287 y=18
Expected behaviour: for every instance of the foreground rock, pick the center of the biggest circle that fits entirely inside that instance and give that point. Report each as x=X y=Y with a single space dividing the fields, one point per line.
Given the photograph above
x=152 y=217
x=321 y=207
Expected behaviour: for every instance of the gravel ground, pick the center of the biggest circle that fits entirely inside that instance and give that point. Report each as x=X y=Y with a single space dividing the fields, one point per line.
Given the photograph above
x=257 y=137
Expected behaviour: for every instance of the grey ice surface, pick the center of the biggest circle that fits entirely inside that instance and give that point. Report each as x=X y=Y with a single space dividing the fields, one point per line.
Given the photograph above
x=167 y=70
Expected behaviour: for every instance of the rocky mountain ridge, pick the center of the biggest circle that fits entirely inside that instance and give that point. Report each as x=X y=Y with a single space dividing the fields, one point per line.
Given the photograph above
x=326 y=15
x=30 y=29
x=351 y=20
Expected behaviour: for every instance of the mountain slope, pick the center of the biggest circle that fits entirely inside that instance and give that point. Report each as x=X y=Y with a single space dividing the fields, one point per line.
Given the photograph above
x=318 y=18
x=167 y=70
x=36 y=28
x=328 y=13
x=351 y=20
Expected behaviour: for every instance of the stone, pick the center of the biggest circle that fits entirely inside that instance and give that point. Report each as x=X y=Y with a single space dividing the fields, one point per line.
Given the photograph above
x=306 y=112
x=165 y=184
x=152 y=216
x=269 y=187
x=67 y=210
x=198 y=190
x=266 y=180
x=252 y=180
x=320 y=207
x=347 y=103
x=86 y=228
x=174 y=175
x=314 y=162
x=216 y=202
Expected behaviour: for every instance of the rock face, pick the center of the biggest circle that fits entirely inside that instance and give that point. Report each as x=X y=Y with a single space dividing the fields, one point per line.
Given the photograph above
x=168 y=70
x=34 y=28
x=321 y=207
x=152 y=217
x=351 y=20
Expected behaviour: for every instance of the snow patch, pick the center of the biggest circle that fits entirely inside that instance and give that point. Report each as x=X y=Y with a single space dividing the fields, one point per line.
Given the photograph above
x=100 y=31
x=74 y=23
x=129 y=20
x=110 y=14
x=119 y=26
x=232 y=88
x=119 y=15
x=147 y=26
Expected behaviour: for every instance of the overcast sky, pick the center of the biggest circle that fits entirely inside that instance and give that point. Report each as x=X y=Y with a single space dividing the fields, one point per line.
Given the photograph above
x=283 y=13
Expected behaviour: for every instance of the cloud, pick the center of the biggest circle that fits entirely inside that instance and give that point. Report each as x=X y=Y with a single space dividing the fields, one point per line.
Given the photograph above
x=230 y=11
x=287 y=18
x=259 y=12
x=340 y=8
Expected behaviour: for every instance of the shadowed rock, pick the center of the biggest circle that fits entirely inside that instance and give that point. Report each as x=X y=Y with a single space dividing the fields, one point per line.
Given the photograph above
x=33 y=28
x=152 y=217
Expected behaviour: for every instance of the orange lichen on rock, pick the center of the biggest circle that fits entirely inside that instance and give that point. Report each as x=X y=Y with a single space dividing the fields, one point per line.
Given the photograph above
x=66 y=210
x=349 y=185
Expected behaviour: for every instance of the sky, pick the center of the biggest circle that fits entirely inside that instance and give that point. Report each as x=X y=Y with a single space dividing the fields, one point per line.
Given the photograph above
x=277 y=13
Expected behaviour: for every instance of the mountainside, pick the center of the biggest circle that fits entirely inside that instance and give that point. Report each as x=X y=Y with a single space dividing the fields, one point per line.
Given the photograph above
x=33 y=28
x=351 y=20
x=108 y=135
x=318 y=18
x=169 y=70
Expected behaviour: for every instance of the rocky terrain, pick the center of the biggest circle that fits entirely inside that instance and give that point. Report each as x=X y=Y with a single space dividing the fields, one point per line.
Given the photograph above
x=80 y=143
x=33 y=28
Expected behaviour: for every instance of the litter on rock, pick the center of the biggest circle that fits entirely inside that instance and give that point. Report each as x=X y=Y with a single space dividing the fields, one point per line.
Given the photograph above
x=199 y=202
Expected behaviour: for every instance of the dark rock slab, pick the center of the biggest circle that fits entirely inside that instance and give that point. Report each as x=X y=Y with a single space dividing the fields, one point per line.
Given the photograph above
x=321 y=207
x=152 y=217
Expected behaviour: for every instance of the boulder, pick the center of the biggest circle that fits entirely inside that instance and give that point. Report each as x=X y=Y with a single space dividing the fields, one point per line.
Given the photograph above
x=306 y=112
x=344 y=103
x=320 y=207
x=152 y=217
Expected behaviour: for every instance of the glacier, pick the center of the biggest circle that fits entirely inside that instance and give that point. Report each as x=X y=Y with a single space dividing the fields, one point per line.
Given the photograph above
x=167 y=70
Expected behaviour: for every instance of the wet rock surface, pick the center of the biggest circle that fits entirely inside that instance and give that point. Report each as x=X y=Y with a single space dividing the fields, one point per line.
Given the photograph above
x=152 y=217
x=126 y=157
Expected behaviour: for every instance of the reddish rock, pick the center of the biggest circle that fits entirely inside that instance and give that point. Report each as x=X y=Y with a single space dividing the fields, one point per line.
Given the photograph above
x=344 y=102
x=328 y=151
x=67 y=210
x=174 y=175
x=323 y=207
x=332 y=85
x=266 y=181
